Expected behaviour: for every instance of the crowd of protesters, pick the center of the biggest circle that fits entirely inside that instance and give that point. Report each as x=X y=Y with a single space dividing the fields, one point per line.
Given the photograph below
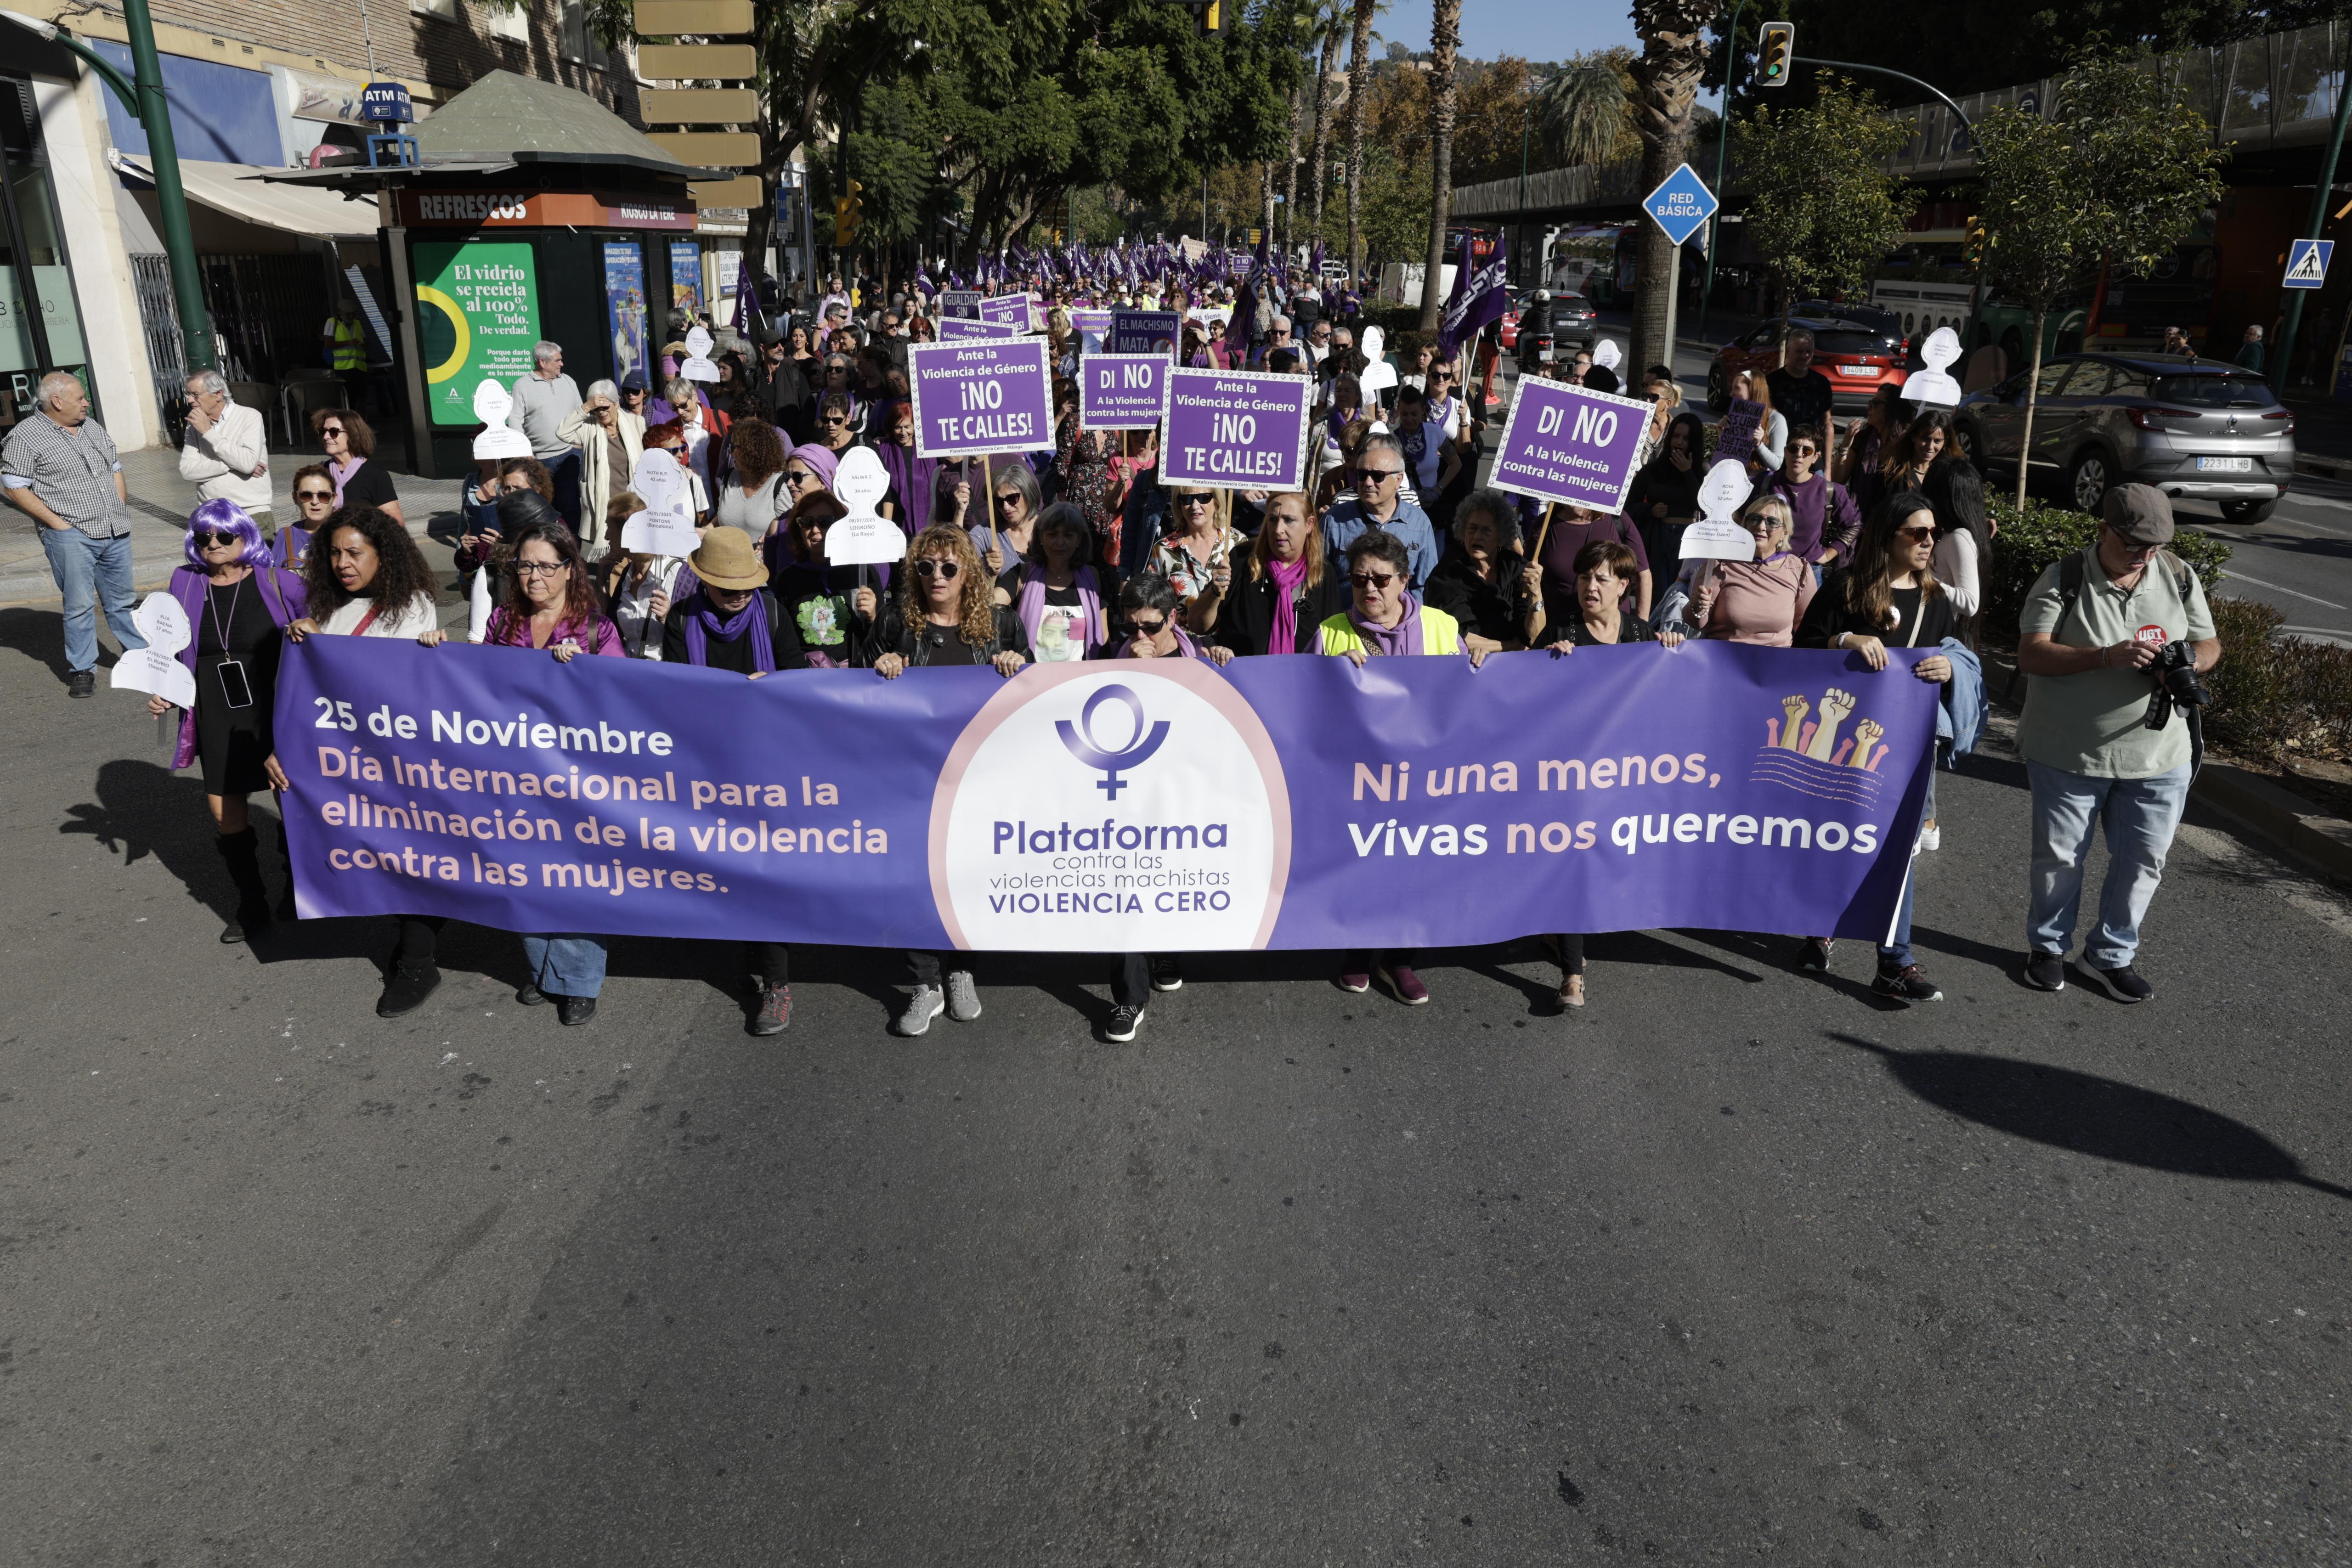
x=1865 y=538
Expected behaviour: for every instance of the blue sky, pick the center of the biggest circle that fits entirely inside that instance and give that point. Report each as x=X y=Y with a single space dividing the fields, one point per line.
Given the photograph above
x=1531 y=29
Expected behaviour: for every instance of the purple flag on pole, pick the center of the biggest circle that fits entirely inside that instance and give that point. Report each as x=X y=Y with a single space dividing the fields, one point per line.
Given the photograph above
x=1477 y=299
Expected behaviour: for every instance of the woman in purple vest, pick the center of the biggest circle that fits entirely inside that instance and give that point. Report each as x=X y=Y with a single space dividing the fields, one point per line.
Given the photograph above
x=238 y=603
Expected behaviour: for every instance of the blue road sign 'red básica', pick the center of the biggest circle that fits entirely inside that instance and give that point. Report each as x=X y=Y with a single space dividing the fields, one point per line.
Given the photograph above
x=1681 y=204
x=2307 y=262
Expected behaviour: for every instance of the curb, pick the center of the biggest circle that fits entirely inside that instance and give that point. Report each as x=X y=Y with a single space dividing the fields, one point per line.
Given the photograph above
x=2284 y=818
x=2324 y=467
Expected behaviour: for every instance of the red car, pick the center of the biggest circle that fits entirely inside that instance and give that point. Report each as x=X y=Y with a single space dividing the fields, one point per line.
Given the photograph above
x=1857 y=361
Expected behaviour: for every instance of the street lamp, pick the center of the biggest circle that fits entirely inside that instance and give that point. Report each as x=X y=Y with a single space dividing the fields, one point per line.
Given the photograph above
x=143 y=97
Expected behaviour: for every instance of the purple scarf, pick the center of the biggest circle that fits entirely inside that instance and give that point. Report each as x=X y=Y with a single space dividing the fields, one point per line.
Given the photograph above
x=911 y=476
x=1289 y=576
x=1031 y=605
x=702 y=624
x=340 y=473
x=1404 y=637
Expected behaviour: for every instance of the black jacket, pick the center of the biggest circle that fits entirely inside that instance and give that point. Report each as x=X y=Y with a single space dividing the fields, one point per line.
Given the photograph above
x=891 y=634
x=1827 y=619
x=1495 y=611
x=1246 y=616
x=784 y=639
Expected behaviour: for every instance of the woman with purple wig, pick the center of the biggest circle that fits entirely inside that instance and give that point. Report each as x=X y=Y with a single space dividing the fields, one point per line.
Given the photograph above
x=238 y=603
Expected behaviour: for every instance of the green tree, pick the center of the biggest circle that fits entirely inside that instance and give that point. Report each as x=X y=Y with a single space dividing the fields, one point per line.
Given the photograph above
x=1821 y=212
x=1584 y=114
x=2116 y=177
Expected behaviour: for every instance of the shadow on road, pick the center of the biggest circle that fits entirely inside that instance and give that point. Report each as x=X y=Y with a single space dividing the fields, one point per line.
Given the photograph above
x=40 y=635
x=2092 y=1115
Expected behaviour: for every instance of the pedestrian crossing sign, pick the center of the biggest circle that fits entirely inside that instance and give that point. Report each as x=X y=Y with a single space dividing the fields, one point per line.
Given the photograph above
x=2307 y=262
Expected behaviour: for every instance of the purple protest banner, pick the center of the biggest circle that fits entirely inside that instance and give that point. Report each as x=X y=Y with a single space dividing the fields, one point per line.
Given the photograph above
x=1566 y=443
x=953 y=328
x=1144 y=332
x=1236 y=430
x=1007 y=310
x=1090 y=321
x=1735 y=437
x=1122 y=392
x=1141 y=806
x=975 y=399
x=961 y=304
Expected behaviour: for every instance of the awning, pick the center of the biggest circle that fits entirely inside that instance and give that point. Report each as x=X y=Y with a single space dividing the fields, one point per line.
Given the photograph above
x=233 y=189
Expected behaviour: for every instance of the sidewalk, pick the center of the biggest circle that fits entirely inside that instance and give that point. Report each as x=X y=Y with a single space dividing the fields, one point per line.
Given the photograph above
x=160 y=503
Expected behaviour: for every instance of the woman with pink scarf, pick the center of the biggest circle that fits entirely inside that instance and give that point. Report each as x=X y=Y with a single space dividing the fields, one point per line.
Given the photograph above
x=1284 y=590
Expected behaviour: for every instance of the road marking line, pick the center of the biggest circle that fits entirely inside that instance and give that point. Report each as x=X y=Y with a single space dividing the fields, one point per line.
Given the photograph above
x=2274 y=587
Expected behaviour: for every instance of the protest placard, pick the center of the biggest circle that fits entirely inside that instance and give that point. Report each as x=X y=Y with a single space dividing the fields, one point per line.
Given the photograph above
x=1567 y=443
x=1143 y=332
x=1122 y=392
x=1236 y=430
x=974 y=399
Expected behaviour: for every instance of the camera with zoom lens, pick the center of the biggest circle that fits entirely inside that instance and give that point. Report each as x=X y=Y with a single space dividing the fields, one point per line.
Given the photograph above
x=2175 y=674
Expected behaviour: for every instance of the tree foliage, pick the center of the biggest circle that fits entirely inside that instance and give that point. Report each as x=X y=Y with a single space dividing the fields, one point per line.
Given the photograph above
x=1821 y=212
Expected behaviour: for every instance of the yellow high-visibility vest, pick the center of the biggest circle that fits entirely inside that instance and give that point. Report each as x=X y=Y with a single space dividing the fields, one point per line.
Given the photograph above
x=351 y=344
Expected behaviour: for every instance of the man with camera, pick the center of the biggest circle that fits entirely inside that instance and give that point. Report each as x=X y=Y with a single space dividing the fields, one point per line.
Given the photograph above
x=2112 y=640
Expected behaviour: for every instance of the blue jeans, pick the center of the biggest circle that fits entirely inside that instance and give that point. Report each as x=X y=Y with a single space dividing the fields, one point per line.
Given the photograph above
x=90 y=573
x=2139 y=816
x=565 y=965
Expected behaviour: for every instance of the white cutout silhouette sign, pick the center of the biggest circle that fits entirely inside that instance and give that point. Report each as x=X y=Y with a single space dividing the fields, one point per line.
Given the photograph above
x=1717 y=536
x=865 y=537
x=156 y=668
x=666 y=525
x=492 y=405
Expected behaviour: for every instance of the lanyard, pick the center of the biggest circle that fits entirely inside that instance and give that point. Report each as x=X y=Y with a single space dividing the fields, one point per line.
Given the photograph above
x=221 y=624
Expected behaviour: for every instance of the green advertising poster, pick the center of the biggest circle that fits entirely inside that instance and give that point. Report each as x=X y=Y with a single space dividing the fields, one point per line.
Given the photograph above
x=478 y=316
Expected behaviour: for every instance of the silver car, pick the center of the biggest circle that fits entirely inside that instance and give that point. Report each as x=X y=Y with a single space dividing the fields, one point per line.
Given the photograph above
x=2197 y=428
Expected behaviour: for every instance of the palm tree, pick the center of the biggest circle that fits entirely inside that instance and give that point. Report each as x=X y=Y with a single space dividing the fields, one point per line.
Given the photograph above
x=1665 y=81
x=1359 y=63
x=1332 y=21
x=1444 y=43
x=1584 y=111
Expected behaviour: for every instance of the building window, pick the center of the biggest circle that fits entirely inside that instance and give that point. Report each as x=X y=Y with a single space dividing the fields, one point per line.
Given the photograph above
x=445 y=9
x=503 y=21
x=576 y=31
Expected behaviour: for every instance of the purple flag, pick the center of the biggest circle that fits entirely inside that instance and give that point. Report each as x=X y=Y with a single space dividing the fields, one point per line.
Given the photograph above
x=1477 y=299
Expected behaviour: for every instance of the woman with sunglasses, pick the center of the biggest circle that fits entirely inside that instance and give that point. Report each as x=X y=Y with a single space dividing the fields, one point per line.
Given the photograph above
x=943 y=613
x=1761 y=600
x=1385 y=620
x=610 y=440
x=832 y=613
x=693 y=421
x=836 y=412
x=808 y=471
x=671 y=438
x=1604 y=570
x=239 y=603
x=1908 y=457
x=364 y=578
x=920 y=330
x=1149 y=629
x=840 y=377
x=1016 y=501
x=314 y=503
x=350 y=445
x=1485 y=582
x=1888 y=597
x=754 y=496
x=1055 y=588
x=1197 y=550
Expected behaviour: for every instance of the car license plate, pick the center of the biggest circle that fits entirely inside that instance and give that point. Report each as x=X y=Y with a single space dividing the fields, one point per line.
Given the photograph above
x=2225 y=465
x=1858 y=370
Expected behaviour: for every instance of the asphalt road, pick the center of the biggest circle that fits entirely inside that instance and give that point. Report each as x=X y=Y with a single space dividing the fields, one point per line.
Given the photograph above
x=1735 y=1264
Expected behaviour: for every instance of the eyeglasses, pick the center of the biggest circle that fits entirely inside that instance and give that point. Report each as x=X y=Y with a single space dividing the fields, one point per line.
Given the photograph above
x=796 y=477
x=1146 y=628
x=1916 y=536
x=1011 y=501
x=332 y=430
x=1371 y=580
x=835 y=420
x=1195 y=499
x=945 y=571
x=314 y=495
x=206 y=539
x=1437 y=375
x=1806 y=450
x=1377 y=476
x=540 y=568
x=631 y=394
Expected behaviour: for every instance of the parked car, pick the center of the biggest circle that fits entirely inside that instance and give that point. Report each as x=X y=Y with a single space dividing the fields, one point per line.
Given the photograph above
x=2201 y=429
x=1857 y=360
x=1573 y=320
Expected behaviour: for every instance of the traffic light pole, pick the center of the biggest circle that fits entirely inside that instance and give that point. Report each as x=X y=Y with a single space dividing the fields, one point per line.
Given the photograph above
x=2317 y=226
x=1722 y=155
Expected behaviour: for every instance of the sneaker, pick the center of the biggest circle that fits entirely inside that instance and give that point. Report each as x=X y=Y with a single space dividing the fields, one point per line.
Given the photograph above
x=405 y=991
x=2046 y=971
x=575 y=1009
x=1124 y=1020
x=1906 y=985
x=531 y=996
x=1931 y=837
x=2123 y=983
x=963 y=997
x=1399 y=978
x=232 y=933
x=1813 y=957
x=775 y=1014
x=1167 y=972
x=1355 y=982
x=83 y=684
x=922 y=1007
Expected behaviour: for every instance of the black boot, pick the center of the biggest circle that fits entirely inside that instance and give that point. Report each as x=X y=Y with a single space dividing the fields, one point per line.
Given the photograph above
x=240 y=853
x=285 y=854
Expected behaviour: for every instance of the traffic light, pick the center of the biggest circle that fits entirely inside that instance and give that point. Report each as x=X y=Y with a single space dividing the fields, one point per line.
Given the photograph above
x=1776 y=50
x=848 y=211
x=1213 y=17
x=1972 y=249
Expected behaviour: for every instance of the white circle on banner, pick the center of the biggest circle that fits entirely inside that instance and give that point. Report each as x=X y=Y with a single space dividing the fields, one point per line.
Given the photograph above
x=860 y=482
x=1129 y=807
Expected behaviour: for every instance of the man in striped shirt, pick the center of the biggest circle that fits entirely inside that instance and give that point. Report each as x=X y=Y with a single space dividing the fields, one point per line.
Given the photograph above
x=59 y=469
